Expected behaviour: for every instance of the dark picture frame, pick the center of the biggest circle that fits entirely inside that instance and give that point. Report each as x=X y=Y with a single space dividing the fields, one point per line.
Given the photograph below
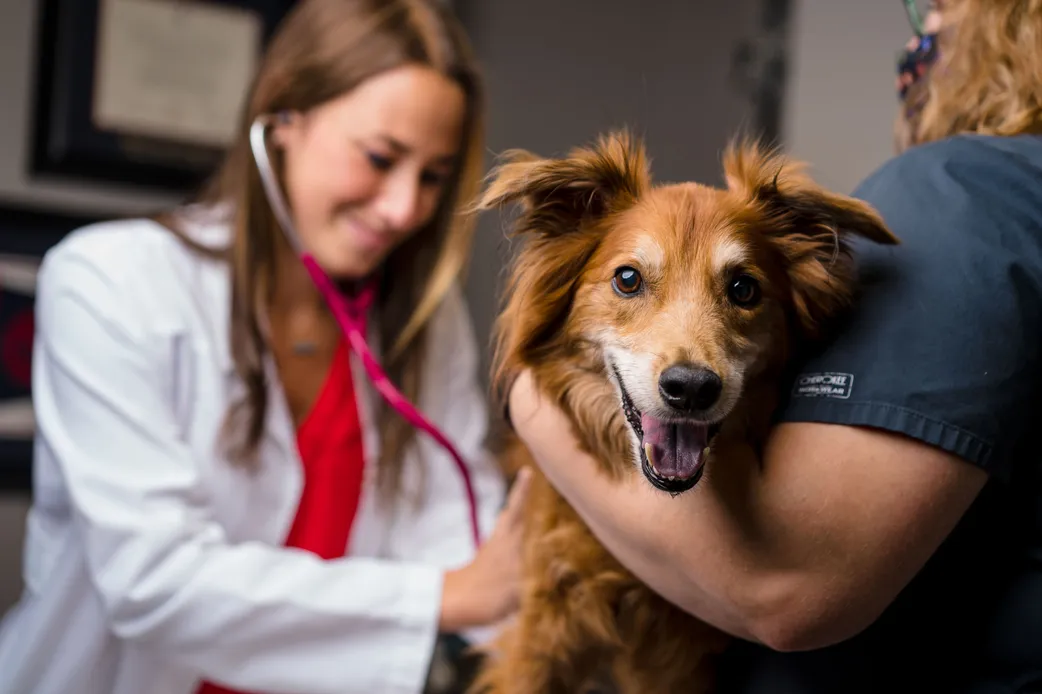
x=26 y=234
x=67 y=143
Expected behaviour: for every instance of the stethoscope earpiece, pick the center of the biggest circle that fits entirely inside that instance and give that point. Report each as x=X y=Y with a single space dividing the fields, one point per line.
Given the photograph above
x=259 y=147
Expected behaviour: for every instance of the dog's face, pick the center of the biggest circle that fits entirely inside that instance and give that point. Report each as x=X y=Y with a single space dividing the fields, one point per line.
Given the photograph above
x=685 y=302
x=685 y=293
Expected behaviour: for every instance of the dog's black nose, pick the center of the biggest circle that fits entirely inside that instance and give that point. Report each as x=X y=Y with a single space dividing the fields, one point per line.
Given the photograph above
x=689 y=388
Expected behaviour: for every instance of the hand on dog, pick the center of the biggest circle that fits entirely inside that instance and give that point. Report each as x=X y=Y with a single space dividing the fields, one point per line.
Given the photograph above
x=486 y=591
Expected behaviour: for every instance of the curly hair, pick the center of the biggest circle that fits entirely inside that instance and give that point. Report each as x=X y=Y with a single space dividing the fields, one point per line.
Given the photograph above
x=988 y=77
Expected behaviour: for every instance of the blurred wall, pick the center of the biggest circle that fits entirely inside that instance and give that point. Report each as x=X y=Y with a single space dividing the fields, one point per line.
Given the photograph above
x=840 y=102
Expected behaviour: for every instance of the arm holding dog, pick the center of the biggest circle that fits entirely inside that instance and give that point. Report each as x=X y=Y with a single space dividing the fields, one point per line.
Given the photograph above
x=854 y=493
x=798 y=552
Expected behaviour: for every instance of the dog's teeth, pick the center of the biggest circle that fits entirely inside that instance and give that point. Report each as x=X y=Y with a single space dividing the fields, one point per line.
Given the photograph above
x=705 y=452
x=672 y=478
x=648 y=454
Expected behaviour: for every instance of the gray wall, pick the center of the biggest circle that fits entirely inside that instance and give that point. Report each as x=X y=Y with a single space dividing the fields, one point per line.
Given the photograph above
x=841 y=101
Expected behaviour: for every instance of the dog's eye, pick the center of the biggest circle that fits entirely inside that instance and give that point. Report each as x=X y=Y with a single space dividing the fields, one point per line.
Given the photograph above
x=744 y=291
x=627 y=281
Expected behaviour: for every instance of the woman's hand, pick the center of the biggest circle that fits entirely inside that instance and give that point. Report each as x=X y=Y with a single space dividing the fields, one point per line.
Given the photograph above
x=486 y=591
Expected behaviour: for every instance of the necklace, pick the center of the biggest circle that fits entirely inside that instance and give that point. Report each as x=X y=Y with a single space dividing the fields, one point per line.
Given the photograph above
x=309 y=347
x=305 y=349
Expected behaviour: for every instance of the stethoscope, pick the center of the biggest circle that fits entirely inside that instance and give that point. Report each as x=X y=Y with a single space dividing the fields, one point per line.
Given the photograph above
x=350 y=314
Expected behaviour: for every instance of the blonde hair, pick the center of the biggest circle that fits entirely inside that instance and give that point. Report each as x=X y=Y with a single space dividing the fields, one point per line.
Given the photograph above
x=322 y=50
x=988 y=76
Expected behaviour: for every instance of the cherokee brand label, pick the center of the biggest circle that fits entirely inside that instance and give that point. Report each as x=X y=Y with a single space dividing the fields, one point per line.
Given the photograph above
x=824 y=385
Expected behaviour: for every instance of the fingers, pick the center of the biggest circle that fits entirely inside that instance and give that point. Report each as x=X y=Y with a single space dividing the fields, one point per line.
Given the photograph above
x=518 y=495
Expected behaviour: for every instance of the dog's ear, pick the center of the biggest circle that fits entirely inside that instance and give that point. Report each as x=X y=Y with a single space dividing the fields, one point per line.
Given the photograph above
x=560 y=200
x=557 y=195
x=811 y=227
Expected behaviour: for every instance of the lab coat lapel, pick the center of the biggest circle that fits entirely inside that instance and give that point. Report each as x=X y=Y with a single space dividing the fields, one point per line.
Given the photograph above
x=279 y=479
x=279 y=431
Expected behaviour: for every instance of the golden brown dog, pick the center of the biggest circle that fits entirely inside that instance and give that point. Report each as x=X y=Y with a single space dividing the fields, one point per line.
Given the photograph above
x=661 y=319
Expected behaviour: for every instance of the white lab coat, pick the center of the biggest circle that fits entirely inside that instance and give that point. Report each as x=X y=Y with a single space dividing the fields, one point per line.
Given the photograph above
x=151 y=562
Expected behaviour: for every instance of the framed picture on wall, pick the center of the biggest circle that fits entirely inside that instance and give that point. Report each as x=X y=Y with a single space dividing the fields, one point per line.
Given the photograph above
x=25 y=235
x=144 y=92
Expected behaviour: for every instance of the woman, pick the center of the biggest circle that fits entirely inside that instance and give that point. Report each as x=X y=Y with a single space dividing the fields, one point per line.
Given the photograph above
x=198 y=406
x=892 y=534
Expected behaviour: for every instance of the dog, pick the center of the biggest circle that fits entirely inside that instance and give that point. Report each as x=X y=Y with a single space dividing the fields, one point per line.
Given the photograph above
x=663 y=320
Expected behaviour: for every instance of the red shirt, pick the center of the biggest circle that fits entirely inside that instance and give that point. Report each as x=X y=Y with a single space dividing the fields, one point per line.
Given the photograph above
x=330 y=444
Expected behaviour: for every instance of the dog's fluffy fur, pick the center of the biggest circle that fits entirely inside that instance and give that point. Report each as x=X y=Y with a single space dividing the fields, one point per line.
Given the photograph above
x=729 y=282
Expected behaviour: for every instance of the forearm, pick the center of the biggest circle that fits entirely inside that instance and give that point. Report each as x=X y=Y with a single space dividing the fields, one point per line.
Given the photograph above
x=799 y=550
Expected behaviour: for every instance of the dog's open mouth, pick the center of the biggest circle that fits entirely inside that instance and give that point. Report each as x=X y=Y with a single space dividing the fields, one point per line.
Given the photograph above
x=673 y=453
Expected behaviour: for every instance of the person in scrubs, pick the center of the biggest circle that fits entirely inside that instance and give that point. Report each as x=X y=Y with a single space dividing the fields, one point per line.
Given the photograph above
x=889 y=537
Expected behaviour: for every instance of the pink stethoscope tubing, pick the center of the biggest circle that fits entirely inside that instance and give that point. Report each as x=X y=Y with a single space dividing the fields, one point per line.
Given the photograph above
x=350 y=314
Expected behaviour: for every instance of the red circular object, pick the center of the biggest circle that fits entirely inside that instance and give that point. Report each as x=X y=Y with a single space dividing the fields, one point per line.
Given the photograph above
x=16 y=348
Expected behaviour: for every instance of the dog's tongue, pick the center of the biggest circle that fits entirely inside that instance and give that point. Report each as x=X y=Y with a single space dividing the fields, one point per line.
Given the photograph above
x=674 y=449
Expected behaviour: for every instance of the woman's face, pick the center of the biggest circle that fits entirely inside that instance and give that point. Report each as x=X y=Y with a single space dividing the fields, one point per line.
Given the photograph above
x=366 y=170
